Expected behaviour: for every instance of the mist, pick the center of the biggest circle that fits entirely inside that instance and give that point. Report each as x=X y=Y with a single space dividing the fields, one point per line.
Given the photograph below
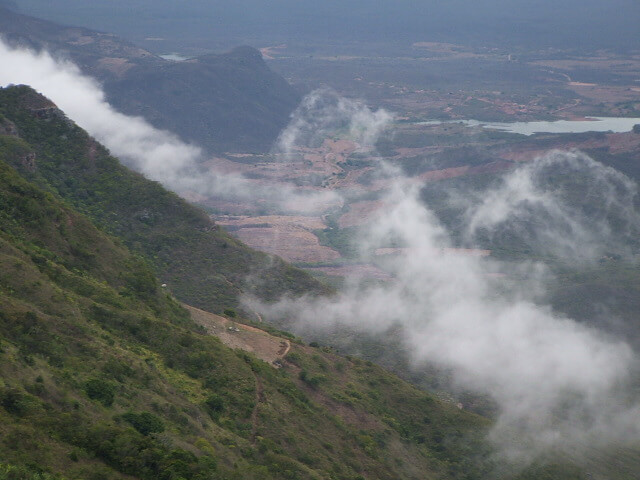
x=558 y=383
x=158 y=155
x=561 y=204
x=322 y=114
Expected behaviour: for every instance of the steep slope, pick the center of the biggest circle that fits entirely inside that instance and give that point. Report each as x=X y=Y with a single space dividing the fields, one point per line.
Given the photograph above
x=104 y=375
x=231 y=101
x=202 y=264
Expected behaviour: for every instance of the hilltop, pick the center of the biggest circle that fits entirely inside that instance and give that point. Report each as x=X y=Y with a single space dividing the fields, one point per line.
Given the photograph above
x=223 y=102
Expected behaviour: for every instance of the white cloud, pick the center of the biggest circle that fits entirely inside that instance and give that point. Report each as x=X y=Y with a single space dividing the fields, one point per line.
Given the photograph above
x=159 y=155
x=557 y=382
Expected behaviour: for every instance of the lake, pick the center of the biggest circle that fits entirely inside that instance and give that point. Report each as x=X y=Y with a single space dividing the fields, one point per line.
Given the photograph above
x=591 y=124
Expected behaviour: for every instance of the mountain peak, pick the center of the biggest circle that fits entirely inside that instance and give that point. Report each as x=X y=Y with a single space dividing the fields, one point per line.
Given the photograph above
x=30 y=98
x=246 y=52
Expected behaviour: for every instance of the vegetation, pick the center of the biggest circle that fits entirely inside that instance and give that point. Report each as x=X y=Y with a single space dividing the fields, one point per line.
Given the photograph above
x=103 y=375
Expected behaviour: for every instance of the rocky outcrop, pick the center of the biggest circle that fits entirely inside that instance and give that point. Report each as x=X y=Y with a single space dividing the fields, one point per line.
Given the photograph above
x=7 y=127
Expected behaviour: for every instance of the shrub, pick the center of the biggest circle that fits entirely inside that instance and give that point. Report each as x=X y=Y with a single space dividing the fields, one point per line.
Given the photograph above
x=215 y=405
x=293 y=357
x=12 y=472
x=312 y=380
x=100 y=390
x=145 y=422
x=15 y=402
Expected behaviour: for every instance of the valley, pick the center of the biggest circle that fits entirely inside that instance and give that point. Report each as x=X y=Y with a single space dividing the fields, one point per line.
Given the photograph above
x=428 y=81
x=438 y=153
x=344 y=257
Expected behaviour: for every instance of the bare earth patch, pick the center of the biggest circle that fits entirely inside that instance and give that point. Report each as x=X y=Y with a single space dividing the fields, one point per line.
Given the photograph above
x=237 y=335
x=290 y=237
x=353 y=271
x=116 y=65
x=359 y=213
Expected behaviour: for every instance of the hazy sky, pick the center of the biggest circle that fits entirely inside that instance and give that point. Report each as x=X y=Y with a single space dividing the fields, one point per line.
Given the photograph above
x=539 y=22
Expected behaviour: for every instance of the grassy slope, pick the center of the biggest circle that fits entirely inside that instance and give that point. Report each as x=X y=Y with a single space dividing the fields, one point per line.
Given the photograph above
x=83 y=320
x=202 y=264
x=88 y=337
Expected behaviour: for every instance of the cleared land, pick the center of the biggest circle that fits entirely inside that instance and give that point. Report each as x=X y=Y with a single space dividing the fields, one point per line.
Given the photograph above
x=237 y=335
x=290 y=237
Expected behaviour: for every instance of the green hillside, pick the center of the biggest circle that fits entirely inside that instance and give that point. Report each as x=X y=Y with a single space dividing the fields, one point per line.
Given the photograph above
x=202 y=265
x=103 y=375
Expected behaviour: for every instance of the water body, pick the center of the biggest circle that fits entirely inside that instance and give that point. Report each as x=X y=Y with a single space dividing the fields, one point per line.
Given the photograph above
x=174 y=57
x=591 y=124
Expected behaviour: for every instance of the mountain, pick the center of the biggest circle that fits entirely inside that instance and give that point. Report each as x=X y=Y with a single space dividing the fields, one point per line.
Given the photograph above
x=104 y=375
x=228 y=102
x=201 y=264
x=225 y=102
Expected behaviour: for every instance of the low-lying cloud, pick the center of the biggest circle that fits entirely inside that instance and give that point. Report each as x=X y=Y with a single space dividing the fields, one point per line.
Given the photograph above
x=563 y=204
x=557 y=382
x=159 y=155
x=323 y=114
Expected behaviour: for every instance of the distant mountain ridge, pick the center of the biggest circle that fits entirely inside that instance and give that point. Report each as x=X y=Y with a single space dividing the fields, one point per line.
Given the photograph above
x=590 y=24
x=226 y=102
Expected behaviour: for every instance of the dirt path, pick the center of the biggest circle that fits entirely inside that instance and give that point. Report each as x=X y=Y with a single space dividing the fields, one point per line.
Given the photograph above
x=285 y=346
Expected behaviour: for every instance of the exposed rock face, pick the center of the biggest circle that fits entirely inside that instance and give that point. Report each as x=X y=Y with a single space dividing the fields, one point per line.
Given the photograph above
x=7 y=127
x=28 y=162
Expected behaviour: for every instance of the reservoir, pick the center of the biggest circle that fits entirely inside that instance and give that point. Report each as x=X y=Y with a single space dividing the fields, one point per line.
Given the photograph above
x=590 y=124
